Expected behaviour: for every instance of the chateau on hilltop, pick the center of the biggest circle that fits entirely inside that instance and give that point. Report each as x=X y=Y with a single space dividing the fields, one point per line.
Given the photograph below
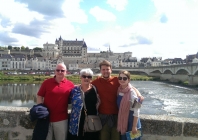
x=74 y=54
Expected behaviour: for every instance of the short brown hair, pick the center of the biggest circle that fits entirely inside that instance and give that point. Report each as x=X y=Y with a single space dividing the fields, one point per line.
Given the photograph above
x=106 y=63
x=125 y=72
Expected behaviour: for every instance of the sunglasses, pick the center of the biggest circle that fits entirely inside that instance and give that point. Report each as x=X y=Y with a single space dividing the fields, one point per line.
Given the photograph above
x=57 y=70
x=84 y=76
x=122 y=78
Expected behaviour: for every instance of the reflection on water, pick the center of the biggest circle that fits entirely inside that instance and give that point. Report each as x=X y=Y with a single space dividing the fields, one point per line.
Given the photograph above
x=23 y=95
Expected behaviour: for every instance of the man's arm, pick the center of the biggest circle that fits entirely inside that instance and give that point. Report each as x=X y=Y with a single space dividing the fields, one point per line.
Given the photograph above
x=39 y=99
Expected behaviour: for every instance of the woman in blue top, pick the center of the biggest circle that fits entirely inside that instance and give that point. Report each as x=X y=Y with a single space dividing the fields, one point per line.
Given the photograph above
x=77 y=116
x=129 y=107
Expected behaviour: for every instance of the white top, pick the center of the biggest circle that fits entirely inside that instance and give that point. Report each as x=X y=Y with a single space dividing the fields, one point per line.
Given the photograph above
x=134 y=104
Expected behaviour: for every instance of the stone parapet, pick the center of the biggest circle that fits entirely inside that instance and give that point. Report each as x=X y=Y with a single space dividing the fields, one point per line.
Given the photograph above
x=15 y=124
x=164 y=127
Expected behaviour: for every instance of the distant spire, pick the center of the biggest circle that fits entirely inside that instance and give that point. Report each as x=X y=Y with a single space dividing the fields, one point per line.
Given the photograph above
x=60 y=37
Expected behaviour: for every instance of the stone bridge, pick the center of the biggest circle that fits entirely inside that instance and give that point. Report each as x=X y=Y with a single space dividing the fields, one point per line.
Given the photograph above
x=173 y=73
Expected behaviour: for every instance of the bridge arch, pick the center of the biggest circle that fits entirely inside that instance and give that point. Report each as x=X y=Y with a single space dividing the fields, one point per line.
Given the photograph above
x=116 y=70
x=167 y=71
x=156 y=71
x=196 y=72
x=182 y=71
x=138 y=72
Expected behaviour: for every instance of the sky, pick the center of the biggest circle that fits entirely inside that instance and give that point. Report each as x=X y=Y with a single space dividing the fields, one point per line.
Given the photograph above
x=147 y=28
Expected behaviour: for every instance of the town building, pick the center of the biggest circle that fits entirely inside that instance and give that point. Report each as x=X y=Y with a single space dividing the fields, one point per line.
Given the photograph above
x=189 y=58
x=74 y=54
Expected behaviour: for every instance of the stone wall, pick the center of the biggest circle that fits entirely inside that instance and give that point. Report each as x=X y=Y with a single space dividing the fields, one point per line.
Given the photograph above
x=16 y=125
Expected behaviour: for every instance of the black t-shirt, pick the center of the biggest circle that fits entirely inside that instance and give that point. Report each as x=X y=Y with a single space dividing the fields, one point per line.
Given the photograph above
x=90 y=101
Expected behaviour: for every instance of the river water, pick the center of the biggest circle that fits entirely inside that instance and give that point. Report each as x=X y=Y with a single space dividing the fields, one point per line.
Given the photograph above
x=160 y=98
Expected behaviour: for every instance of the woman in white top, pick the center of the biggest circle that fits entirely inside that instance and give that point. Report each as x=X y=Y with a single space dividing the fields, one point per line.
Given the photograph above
x=129 y=106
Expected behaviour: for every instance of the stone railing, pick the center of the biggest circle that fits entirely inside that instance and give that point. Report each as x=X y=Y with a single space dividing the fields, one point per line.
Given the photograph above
x=16 y=125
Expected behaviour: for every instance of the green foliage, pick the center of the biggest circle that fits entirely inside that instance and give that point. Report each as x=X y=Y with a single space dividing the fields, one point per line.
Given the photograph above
x=1 y=73
x=37 y=49
x=16 y=48
x=22 y=48
x=27 y=48
x=185 y=83
x=74 y=78
x=180 y=82
x=9 y=47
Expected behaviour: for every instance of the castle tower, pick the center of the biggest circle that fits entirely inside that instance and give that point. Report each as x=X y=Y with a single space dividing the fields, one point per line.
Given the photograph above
x=60 y=47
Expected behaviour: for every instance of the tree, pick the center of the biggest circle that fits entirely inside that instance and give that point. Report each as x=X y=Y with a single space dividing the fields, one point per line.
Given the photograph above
x=9 y=47
x=22 y=48
x=27 y=48
x=37 y=49
x=17 y=48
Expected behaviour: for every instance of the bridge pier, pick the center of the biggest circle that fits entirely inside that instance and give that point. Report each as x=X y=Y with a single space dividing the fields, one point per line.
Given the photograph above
x=192 y=79
x=155 y=74
x=165 y=76
x=180 y=77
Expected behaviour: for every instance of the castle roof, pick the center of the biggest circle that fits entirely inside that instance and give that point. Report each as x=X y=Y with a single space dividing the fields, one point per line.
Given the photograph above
x=74 y=43
x=144 y=60
x=72 y=55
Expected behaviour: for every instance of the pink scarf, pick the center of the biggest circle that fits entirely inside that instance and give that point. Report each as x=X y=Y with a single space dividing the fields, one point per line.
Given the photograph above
x=123 y=113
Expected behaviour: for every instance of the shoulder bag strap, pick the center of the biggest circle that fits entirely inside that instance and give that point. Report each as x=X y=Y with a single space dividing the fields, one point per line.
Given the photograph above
x=98 y=99
x=83 y=99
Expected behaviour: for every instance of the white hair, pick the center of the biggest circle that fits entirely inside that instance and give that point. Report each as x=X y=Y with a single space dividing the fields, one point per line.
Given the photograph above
x=62 y=64
x=86 y=71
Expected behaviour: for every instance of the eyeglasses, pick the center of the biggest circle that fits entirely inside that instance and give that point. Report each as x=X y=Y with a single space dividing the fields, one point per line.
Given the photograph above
x=84 y=76
x=57 y=70
x=122 y=78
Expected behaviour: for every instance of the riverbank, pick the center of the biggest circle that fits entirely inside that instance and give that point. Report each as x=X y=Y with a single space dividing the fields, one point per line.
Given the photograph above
x=29 y=78
x=182 y=84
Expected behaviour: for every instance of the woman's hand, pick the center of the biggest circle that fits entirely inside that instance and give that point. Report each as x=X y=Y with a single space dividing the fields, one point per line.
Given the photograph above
x=141 y=98
x=134 y=130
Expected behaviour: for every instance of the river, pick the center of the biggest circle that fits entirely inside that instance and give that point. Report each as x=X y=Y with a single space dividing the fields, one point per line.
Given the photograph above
x=160 y=98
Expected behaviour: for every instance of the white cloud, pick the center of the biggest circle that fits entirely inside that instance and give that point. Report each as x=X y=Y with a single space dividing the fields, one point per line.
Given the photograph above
x=58 y=27
x=73 y=13
x=14 y=13
x=18 y=12
x=176 y=36
x=118 y=4
x=182 y=22
x=102 y=15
